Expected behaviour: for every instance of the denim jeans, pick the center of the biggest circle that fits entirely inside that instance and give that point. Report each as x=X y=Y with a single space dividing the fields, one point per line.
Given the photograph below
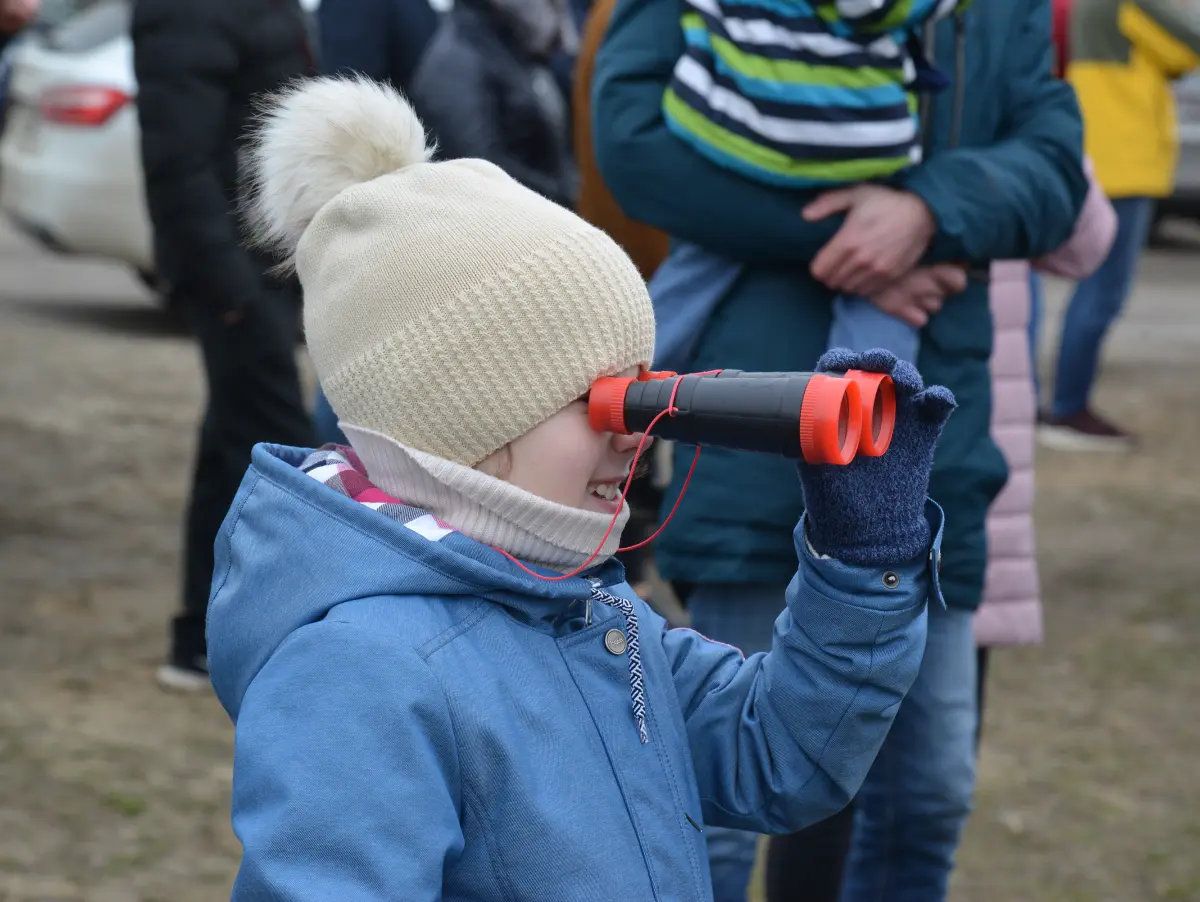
x=1095 y=305
x=860 y=326
x=916 y=799
x=741 y=615
x=328 y=431
x=1036 y=303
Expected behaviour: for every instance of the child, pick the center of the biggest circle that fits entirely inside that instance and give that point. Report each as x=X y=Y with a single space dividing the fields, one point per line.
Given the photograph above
x=418 y=715
x=813 y=95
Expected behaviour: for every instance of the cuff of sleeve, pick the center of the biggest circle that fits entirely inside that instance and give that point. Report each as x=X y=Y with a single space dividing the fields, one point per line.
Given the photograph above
x=947 y=244
x=892 y=585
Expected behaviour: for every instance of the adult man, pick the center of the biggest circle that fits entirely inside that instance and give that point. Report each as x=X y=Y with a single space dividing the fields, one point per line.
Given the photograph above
x=1003 y=179
x=199 y=66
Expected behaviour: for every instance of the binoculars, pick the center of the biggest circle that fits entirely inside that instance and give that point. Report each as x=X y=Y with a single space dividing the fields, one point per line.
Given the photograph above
x=824 y=418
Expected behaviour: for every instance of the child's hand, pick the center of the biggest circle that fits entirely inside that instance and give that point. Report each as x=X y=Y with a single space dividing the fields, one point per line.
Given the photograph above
x=872 y=512
x=916 y=297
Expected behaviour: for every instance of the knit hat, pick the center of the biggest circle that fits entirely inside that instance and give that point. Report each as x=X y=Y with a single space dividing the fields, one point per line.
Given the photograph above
x=446 y=306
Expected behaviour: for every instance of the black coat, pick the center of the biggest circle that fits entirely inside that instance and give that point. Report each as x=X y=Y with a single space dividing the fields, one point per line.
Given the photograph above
x=481 y=96
x=383 y=39
x=200 y=64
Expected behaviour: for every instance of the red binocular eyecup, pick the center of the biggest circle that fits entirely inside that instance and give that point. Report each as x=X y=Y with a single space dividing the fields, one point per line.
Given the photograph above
x=824 y=418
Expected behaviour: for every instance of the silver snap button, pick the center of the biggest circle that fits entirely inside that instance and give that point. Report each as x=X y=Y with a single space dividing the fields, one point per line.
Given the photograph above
x=614 y=641
x=891 y=580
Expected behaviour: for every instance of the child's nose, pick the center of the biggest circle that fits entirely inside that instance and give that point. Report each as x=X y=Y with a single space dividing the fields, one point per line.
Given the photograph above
x=623 y=444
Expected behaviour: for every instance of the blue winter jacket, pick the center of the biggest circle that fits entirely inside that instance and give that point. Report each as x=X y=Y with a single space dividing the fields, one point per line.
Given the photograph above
x=418 y=719
x=1003 y=177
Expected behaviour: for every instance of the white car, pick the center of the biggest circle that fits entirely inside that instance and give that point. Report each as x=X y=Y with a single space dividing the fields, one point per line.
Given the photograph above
x=70 y=165
x=70 y=170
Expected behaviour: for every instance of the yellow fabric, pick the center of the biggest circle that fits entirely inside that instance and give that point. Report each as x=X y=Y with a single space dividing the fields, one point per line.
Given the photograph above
x=1164 y=51
x=1130 y=129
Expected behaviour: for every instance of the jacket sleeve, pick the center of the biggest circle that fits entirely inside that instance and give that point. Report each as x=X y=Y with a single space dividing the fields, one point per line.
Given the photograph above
x=184 y=64
x=783 y=739
x=1166 y=31
x=1018 y=198
x=463 y=113
x=327 y=780
x=1092 y=239
x=656 y=178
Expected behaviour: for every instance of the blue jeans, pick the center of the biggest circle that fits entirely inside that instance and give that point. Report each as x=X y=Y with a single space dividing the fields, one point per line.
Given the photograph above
x=860 y=326
x=1036 y=303
x=326 y=421
x=1096 y=304
x=911 y=810
x=916 y=799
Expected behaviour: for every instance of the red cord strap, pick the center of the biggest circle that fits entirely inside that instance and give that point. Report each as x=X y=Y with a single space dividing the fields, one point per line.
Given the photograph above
x=671 y=410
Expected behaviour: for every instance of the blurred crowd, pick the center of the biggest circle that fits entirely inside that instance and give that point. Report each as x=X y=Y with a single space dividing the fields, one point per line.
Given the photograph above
x=781 y=195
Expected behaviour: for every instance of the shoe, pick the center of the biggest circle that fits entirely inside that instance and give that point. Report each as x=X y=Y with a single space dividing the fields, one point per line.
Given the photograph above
x=1083 y=431
x=187 y=668
x=185 y=676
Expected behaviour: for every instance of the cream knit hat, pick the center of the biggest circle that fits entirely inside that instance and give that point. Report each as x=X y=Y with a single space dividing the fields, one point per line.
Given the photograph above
x=446 y=306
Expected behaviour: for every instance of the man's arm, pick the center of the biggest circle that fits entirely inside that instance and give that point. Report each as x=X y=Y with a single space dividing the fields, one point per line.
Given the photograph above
x=184 y=65
x=1018 y=198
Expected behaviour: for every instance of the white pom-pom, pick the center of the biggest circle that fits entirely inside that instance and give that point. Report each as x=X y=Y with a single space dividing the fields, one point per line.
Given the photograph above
x=315 y=139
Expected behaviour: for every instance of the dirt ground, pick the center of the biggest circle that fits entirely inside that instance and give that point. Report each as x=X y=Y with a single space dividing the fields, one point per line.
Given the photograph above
x=112 y=791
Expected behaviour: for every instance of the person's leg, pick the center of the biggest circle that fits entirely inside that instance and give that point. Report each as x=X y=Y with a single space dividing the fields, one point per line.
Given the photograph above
x=1036 y=302
x=981 y=669
x=861 y=326
x=254 y=396
x=808 y=866
x=326 y=421
x=742 y=616
x=912 y=807
x=1093 y=308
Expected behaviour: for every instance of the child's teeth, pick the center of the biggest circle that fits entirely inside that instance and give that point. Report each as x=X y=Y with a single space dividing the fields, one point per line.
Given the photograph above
x=608 y=492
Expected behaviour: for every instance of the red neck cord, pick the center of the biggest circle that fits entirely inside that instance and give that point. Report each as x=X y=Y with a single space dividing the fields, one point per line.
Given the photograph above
x=671 y=410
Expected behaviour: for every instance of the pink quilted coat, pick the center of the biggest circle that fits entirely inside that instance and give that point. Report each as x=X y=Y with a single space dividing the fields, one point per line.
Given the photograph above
x=1011 y=613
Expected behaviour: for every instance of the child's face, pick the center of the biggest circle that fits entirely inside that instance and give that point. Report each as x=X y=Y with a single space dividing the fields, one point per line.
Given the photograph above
x=563 y=459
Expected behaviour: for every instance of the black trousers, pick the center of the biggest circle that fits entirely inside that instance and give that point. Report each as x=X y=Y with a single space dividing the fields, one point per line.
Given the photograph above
x=808 y=866
x=254 y=396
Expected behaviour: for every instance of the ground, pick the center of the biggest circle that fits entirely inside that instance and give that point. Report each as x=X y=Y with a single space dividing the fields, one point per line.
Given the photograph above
x=112 y=791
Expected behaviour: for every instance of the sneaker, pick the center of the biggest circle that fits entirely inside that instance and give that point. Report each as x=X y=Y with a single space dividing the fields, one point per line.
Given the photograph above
x=1083 y=431
x=187 y=668
x=180 y=675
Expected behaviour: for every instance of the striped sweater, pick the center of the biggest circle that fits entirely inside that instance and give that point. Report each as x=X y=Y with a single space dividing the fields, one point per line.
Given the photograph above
x=802 y=93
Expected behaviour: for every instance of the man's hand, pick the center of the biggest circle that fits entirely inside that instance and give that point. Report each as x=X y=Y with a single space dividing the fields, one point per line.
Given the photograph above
x=919 y=295
x=884 y=235
x=16 y=14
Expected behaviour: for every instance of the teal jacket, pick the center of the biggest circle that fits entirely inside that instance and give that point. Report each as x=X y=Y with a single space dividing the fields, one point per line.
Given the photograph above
x=1004 y=179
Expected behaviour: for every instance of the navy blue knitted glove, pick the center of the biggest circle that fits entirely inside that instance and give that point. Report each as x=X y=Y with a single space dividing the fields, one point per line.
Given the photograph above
x=871 y=513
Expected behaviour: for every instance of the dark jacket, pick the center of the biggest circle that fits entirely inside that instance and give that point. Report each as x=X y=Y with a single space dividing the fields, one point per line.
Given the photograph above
x=382 y=39
x=483 y=97
x=1011 y=189
x=199 y=66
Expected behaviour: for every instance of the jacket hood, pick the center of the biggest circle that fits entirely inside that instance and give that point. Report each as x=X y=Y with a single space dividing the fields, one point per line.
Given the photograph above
x=292 y=549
